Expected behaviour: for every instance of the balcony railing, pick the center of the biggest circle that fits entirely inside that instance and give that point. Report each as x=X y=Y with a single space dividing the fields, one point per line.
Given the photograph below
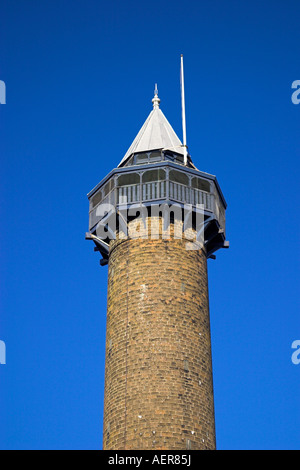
x=154 y=191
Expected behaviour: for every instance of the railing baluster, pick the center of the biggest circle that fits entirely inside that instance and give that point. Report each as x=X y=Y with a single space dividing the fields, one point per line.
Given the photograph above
x=158 y=190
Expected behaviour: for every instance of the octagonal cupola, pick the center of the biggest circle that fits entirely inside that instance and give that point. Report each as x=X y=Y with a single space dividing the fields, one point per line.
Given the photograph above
x=156 y=169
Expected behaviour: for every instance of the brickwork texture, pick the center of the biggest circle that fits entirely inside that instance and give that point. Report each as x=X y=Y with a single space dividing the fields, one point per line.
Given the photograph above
x=158 y=370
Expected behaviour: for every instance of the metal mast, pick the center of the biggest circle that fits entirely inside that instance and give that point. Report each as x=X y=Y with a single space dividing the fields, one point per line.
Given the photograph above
x=183 y=110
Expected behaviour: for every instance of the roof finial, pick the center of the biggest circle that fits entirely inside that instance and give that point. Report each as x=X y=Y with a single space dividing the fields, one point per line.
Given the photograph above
x=156 y=99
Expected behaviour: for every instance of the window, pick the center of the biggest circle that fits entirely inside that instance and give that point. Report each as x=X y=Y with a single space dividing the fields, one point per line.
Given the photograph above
x=201 y=184
x=179 y=177
x=129 y=162
x=155 y=156
x=173 y=157
x=179 y=158
x=154 y=175
x=169 y=156
x=128 y=179
x=96 y=199
x=148 y=157
x=108 y=187
x=141 y=158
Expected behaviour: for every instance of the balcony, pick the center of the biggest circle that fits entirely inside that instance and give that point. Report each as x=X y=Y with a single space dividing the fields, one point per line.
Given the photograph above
x=157 y=185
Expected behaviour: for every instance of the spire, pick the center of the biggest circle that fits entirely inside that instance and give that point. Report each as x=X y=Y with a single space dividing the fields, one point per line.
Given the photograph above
x=156 y=99
x=155 y=134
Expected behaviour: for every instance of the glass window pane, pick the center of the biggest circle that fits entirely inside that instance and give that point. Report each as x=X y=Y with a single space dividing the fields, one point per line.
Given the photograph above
x=108 y=187
x=141 y=157
x=154 y=175
x=96 y=199
x=155 y=156
x=169 y=156
x=178 y=177
x=128 y=179
x=201 y=184
x=179 y=158
x=130 y=162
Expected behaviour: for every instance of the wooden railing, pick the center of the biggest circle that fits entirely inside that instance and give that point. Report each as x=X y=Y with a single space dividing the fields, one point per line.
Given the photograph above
x=181 y=193
x=154 y=191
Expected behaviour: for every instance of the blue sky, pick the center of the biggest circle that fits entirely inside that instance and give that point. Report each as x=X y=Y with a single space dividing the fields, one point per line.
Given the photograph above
x=79 y=78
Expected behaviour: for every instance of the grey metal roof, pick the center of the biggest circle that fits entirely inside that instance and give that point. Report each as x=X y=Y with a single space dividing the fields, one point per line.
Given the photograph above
x=156 y=133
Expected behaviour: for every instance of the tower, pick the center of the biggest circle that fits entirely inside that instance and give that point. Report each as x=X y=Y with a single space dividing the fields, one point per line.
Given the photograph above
x=144 y=220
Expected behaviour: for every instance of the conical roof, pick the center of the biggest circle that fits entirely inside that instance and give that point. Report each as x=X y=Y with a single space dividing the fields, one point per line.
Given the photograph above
x=156 y=133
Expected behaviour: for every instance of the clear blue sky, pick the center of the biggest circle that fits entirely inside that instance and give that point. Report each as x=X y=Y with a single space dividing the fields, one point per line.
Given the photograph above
x=80 y=77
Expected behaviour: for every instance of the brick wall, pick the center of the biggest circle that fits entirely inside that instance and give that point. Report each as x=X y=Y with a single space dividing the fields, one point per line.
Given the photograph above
x=158 y=372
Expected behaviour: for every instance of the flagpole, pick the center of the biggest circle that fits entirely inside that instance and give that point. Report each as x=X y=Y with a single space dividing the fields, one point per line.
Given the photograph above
x=183 y=111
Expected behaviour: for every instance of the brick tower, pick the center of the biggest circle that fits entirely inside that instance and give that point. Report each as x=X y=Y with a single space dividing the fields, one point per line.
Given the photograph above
x=144 y=220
